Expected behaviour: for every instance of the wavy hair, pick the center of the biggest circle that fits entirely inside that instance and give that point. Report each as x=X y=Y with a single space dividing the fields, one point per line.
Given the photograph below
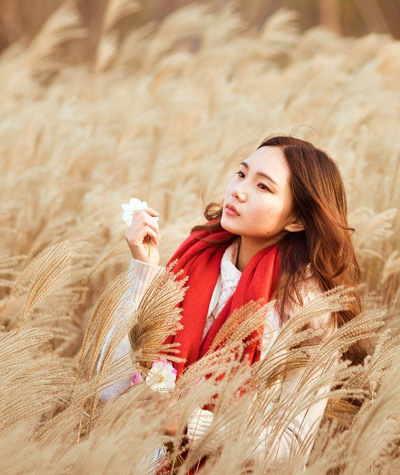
x=325 y=245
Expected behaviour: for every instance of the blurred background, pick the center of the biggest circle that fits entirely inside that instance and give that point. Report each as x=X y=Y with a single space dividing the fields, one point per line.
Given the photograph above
x=22 y=19
x=104 y=100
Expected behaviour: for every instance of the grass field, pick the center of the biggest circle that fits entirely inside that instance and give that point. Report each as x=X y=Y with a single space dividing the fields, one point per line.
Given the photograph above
x=166 y=114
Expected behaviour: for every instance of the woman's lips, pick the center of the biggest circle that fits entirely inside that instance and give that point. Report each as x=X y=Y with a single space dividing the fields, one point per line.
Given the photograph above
x=229 y=210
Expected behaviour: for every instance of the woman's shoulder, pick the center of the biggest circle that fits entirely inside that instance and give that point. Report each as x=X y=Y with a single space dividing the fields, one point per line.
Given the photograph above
x=309 y=289
x=308 y=286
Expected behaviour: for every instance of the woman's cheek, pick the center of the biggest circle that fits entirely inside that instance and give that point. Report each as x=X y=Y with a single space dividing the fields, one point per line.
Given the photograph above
x=260 y=220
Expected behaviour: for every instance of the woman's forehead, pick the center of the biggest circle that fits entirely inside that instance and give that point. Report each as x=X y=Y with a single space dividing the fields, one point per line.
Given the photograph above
x=271 y=161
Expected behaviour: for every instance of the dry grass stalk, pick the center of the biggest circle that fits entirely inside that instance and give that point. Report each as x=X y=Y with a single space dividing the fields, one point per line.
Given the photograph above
x=172 y=109
x=109 y=41
x=157 y=316
x=46 y=51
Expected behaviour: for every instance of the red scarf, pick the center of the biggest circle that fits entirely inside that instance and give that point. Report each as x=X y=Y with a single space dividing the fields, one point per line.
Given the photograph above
x=201 y=261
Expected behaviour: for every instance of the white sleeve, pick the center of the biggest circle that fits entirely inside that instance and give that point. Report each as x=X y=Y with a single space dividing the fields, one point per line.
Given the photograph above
x=304 y=425
x=144 y=274
x=199 y=421
x=301 y=427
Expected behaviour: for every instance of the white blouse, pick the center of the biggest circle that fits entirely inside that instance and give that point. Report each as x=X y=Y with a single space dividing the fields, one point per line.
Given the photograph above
x=301 y=426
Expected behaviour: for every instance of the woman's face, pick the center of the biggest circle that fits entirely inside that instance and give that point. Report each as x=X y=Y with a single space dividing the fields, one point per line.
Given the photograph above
x=261 y=194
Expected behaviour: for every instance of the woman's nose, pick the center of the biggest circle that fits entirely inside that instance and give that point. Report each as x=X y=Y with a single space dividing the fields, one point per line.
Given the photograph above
x=238 y=193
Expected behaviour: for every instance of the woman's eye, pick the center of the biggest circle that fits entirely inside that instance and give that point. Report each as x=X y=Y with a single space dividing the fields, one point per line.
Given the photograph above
x=263 y=187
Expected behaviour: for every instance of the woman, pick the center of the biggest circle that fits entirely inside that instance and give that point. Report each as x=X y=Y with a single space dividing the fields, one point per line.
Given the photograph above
x=281 y=233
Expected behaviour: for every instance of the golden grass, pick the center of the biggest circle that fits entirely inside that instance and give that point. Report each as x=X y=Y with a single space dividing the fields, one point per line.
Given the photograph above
x=166 y=114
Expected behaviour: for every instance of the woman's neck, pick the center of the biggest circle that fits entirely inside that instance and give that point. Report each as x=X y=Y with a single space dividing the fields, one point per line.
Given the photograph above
x=248 y=248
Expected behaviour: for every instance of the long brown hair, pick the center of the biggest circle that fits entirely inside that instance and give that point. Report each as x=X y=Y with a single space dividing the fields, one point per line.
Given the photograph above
x=319 y=201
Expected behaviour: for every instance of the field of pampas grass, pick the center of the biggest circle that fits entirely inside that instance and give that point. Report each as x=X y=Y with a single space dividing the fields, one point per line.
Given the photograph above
x=166 y=113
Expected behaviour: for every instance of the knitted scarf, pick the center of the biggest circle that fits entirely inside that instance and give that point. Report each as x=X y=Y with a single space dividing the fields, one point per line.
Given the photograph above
x=201 y=261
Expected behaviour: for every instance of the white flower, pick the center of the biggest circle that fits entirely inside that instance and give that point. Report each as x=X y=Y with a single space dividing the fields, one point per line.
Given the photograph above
x=161 y=376
x=131 y=207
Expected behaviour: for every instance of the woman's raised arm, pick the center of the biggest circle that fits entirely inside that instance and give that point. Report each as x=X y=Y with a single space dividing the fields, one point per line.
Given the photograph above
x=144 y=275
x=145 y=266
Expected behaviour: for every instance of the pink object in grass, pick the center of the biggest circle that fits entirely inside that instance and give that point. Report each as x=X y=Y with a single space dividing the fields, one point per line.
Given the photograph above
x=158 y=378
x=137 y=378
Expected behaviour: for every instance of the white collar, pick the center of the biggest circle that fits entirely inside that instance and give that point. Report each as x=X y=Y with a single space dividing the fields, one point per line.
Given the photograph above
x=230 y=274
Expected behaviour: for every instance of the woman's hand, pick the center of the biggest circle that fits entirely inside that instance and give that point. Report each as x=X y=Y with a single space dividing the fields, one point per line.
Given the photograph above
x=167 y=404
x=144 y=228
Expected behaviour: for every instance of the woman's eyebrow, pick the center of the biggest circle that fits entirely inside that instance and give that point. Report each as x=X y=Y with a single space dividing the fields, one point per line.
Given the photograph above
x=260 y=174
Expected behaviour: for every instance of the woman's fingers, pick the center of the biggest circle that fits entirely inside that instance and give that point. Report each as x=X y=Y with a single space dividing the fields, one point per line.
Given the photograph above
x=141 y=217
x=151 y=212
x=143 y=231
x=147 y=231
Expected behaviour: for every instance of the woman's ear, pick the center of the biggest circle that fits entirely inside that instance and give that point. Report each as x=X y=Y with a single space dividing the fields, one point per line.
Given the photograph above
x=295 y=225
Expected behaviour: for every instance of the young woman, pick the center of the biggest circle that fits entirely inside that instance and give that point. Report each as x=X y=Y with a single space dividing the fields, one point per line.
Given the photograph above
x=281 y=233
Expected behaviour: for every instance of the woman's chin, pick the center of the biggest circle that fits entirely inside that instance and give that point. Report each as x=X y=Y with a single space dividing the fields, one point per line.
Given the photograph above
x=225 y=224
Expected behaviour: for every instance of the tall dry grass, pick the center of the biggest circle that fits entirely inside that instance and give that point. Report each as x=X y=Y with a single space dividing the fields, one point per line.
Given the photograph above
x=166 y=115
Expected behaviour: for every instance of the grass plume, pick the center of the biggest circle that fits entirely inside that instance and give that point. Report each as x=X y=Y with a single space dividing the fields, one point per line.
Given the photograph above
x=165 y=112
